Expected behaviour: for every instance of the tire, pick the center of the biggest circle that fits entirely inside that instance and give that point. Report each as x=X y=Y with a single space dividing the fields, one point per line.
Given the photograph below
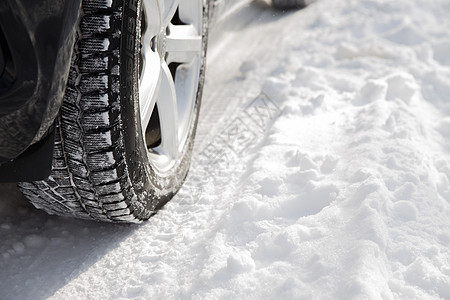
x=125 y=132
x=289 y=4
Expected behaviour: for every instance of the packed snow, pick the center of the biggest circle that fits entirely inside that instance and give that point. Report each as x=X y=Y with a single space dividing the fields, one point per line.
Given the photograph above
x=321 y=170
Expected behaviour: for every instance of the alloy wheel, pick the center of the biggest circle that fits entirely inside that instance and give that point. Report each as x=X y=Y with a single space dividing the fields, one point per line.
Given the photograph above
x=171 y=59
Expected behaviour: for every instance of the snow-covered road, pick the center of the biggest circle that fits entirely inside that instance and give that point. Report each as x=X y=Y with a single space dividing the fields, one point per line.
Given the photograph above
x=321 y=170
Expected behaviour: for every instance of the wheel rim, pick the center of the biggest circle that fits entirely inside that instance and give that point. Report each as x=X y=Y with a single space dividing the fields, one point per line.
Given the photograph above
x=170 y=63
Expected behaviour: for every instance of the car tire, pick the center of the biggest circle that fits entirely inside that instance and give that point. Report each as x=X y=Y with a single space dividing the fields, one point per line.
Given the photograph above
x=289 y=4
x=125 y=132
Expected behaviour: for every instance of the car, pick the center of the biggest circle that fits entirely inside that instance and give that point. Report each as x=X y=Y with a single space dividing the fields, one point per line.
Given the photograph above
x=290 y=4
x=99 y=101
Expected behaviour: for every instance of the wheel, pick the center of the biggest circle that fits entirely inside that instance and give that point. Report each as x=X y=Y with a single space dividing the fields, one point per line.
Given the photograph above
x=125 y=133
x=289 y=4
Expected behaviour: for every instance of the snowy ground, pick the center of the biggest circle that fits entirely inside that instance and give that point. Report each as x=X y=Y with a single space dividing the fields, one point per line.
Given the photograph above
x=322 y=170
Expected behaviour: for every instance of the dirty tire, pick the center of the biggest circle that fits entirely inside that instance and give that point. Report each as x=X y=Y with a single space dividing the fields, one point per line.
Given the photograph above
x=102 y=168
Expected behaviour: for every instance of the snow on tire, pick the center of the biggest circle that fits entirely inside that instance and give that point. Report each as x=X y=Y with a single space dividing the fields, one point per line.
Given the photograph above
x=125 y=132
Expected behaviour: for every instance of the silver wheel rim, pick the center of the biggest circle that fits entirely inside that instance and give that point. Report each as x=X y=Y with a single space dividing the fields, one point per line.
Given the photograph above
x=171 y=50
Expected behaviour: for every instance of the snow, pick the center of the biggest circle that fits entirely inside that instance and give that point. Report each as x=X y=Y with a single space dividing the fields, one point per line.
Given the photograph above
x=321 y=170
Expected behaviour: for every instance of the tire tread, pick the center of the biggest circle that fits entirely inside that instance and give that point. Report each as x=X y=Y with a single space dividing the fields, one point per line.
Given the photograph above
x=89 y=178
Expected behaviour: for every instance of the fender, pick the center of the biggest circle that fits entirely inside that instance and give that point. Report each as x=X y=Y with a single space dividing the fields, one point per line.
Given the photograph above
x=36 y=41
